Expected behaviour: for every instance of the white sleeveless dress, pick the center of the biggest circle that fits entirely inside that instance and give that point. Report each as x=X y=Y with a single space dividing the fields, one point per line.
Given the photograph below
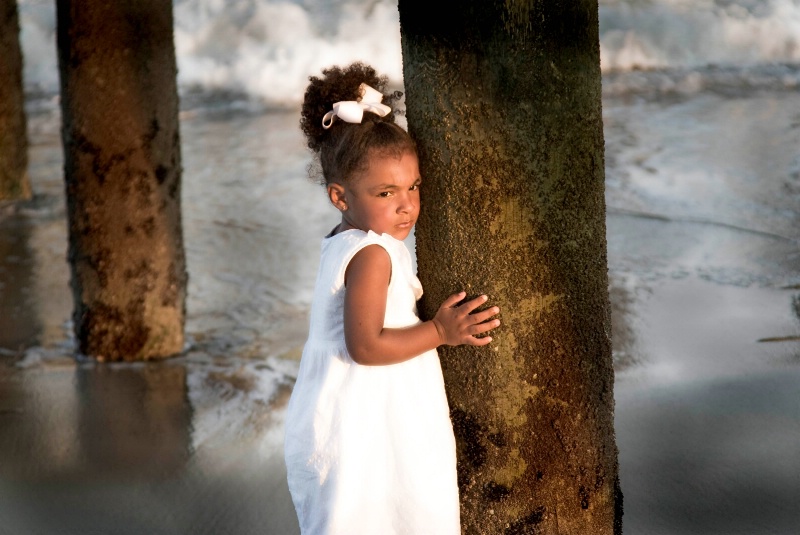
x=369 y=449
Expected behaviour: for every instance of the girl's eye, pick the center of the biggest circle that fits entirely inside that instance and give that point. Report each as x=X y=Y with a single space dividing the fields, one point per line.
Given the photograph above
x=415 y=187
x=385 y=194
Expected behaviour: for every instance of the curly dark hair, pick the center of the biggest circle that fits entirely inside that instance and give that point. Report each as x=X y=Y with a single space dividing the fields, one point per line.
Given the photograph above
x=344 y=148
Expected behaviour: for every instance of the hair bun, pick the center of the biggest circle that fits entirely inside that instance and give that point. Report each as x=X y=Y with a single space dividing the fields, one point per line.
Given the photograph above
x=335 y=85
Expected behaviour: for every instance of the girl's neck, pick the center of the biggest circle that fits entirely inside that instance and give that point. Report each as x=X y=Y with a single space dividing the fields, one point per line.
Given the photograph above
x=341 y=227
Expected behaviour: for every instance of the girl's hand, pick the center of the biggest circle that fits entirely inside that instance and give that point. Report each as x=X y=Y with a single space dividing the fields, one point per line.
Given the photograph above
x=457 y=325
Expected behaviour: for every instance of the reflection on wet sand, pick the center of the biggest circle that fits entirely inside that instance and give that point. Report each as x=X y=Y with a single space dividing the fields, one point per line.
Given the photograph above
x=19 y=324
x=623 y=332
x=35 y=303
x=170 y=448
x=133 y=422
x=86 y=423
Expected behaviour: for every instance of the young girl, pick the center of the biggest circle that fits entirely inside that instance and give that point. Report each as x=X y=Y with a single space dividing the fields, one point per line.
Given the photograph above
x=369 y=444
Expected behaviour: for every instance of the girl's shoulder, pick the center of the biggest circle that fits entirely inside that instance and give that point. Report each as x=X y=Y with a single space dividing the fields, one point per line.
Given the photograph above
x=338 y=250
x=358 y=239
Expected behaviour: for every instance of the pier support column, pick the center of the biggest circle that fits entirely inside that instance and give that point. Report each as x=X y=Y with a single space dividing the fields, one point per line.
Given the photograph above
x=123 y=177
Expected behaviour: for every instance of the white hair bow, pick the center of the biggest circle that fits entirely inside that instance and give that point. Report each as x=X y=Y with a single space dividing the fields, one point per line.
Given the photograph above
x=352 y=111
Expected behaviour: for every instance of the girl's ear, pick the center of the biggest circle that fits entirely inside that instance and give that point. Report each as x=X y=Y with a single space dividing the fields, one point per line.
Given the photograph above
x=336 y=196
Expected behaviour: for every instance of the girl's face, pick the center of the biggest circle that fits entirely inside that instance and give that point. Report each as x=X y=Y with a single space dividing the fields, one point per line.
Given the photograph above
x=384 y=199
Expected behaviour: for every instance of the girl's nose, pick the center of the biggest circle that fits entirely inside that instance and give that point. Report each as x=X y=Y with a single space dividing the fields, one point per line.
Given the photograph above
x=407 y=204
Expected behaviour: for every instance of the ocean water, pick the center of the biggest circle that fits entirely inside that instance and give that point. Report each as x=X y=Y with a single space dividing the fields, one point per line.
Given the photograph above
x=263 y=50
x=702 y=127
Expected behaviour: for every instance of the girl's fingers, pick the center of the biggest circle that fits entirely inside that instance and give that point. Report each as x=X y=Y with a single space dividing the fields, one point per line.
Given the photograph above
x=484 y=315
x=484 y=327
x=472 y=304
x=479 y=341
x=453 y=299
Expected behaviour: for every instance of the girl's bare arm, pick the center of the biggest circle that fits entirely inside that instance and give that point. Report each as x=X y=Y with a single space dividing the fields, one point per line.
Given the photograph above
x=369 y=343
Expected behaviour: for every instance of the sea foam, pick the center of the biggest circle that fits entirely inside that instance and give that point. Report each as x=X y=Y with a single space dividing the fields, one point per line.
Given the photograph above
x=264 y=50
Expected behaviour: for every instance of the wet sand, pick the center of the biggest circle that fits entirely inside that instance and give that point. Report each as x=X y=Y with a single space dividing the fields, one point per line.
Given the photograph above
x=705 y=286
